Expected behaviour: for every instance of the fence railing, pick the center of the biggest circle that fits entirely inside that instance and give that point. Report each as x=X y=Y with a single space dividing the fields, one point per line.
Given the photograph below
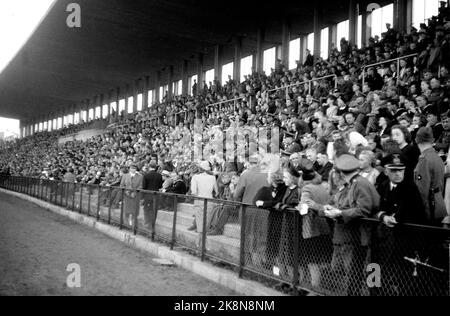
x=309 y=82
x=307 y=252
x=397 y=60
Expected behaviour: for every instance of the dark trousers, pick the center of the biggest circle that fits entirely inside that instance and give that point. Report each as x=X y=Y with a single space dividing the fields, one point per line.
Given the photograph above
x=274 y=226
x=150 y=211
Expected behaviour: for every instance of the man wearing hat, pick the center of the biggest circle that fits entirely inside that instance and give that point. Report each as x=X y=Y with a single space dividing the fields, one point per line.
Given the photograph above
x=152 y=181
x=250 y=182
x=429 y=177
x=431 y=112
x=357 y=199
x=443 y=142
x=131 y=181
x=401 y=203
x=400 y=200
x=290 y=147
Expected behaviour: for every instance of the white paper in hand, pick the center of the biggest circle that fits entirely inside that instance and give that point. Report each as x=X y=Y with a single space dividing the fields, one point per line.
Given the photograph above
x=304 y=209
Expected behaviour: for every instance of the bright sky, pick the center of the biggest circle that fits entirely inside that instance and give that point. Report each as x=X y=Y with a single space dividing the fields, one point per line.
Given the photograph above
x=9 y=126
x=18 y=20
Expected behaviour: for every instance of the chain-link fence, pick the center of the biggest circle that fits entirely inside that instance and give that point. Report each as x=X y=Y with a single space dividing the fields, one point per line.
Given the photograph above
x=359 y=258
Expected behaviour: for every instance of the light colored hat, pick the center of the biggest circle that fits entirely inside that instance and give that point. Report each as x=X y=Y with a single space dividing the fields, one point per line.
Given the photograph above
x=357 y=139
x=165 y=173
x=205 y=165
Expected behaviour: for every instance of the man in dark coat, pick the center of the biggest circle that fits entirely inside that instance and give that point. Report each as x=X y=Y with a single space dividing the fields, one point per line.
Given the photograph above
x=443 y=142
x=152 y=181
x=267 y=198
x=309 y=59
x=429 y=177
x=401 y=204
x=400 y=201
x=251 y=181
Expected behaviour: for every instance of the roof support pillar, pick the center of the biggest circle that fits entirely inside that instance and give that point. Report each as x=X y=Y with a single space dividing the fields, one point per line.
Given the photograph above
x=353 y=21
x=135 y=95
x=237 y=59
x=217 y=63
x=102 y=110
x=303 y=48
x=145 y=101
x=157 y=86
x=318 y=16
x=400 y=15
x=285 y=39
x=184 y=77
x=259 y=63
x=200 y=73
x=170 y=83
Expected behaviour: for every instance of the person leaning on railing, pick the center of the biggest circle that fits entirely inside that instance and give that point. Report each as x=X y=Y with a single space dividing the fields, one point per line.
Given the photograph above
x=267 y=198
x=357 y=199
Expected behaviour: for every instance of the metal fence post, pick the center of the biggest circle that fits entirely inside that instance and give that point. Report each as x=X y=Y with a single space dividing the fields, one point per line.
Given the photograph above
x=73 y=197
x=61 y=184
x=242 y=248
x=174 y=227
x=89 y=200
x=121 y=211
x=98 y=203
x=41 y=190
x=155 y=211
x=110 y=202
x=67 y=188
x=296 y=275
x=136 y=212
x=205 y=217
x=81 y=199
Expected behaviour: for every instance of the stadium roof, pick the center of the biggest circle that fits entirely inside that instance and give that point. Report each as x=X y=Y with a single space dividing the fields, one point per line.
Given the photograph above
x=122 y=40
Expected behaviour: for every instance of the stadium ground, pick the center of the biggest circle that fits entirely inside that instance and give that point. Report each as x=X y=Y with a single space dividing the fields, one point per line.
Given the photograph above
x=36 y=247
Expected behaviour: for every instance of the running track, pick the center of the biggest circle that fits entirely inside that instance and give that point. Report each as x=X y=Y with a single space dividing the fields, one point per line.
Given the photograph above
x=36 y=247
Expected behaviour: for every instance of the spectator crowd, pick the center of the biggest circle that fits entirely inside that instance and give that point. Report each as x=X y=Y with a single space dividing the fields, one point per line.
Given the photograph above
x=367 y=141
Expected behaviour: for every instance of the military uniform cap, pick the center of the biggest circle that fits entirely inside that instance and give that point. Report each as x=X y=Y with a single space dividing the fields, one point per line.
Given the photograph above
x=347 y=163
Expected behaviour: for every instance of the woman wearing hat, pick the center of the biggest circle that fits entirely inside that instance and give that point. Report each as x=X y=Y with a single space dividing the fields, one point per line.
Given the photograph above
x=268 y=197
x=290 y=200
x=315 y=229
x=409 y=150
x=203 y=185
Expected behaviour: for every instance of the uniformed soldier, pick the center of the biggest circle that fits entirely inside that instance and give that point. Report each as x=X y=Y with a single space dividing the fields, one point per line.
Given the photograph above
x=429 y=177
x=357 y=199
x=443 y=143
x=400 y=203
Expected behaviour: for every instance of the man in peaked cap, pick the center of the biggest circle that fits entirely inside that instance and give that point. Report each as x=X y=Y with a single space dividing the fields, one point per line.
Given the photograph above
x=400 y=200
x=357 y=199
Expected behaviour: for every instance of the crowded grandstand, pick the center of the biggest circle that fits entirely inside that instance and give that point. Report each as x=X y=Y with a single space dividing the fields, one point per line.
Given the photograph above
x=364 y=133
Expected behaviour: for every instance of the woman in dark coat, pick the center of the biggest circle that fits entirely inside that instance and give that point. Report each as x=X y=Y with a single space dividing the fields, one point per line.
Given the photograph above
x=289 y=201
x=268 y=197
x=410 y=151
